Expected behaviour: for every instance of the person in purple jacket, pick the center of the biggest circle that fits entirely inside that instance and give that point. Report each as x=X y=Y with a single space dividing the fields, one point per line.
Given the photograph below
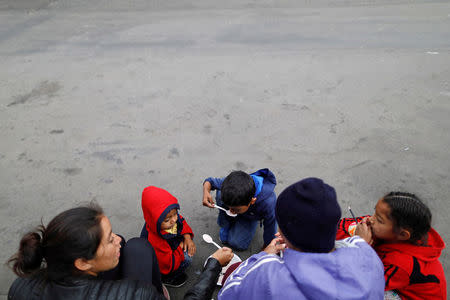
x=313 y=264
x=252 y=198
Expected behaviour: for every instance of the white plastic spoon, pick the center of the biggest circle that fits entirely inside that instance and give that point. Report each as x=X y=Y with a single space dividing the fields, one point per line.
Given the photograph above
x=207 y=238
x=225 y=210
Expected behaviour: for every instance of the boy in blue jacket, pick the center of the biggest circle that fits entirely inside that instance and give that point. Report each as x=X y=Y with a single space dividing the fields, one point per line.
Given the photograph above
x=251 y=197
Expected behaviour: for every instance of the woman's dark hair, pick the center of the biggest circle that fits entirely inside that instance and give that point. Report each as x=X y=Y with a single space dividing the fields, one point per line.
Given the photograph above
x=409 y=212
x=74 y=233
x=238 y=189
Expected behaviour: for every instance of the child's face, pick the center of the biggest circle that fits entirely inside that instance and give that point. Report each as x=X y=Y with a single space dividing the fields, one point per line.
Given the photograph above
x=241 y=209
x=381 y=223
x=170 y=220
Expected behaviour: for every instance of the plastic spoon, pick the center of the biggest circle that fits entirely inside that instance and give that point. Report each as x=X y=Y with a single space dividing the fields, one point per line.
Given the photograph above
x=225 y=210
x=207 y=238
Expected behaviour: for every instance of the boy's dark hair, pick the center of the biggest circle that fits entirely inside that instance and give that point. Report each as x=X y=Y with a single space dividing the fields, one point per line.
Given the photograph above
x=238 y=189
x=409 y=212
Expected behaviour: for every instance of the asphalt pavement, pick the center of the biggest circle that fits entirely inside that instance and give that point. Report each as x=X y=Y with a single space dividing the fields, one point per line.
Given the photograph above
x=99 y=99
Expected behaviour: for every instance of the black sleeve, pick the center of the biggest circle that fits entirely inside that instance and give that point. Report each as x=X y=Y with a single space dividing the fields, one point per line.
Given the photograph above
x=206 y=283
x=18 y=287
x=26 y=288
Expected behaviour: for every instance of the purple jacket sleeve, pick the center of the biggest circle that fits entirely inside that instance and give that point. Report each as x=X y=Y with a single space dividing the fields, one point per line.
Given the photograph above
x=233 y=289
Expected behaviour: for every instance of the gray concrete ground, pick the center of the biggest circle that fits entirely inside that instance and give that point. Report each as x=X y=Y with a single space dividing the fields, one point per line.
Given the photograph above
x=99 y=99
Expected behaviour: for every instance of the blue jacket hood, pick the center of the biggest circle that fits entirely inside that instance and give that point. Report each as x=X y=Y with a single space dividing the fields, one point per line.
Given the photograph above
x=269 y=182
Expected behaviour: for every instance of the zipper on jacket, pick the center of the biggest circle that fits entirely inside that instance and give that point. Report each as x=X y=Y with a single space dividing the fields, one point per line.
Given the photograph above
x=173 y=262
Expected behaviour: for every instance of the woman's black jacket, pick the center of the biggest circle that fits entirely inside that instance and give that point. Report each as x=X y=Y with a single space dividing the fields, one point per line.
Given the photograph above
x=91 y=288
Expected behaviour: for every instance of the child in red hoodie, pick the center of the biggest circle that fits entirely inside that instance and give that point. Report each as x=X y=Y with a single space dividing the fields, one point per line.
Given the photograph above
x=400 y=232
x=169 y=234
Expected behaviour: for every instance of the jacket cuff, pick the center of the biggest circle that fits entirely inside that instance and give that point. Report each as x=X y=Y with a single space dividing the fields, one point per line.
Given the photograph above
x=213 y=265
x=207 y=281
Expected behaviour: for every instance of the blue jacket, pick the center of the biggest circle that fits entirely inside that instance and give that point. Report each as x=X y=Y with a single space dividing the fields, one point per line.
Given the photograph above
x=264 y=207
x=353 y=271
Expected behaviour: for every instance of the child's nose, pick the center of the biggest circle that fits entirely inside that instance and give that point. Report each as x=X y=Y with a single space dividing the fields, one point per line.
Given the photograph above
x=117 y=240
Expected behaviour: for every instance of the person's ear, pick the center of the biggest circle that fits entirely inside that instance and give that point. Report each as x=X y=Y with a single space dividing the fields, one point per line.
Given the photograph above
x=253 y=201
x=82 y=264
x=404 y=235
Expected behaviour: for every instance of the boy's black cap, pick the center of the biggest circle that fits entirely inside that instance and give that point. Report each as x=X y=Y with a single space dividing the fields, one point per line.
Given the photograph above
x=307 y=213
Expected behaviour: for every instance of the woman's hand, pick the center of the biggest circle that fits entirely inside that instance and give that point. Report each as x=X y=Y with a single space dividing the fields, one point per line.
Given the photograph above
x=364 y=231
x=223 y=255
x=275 y=246
x=207 y=198
x=188 y=245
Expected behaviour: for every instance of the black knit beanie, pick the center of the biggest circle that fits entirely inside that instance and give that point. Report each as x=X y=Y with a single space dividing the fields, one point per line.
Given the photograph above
x=307 y=213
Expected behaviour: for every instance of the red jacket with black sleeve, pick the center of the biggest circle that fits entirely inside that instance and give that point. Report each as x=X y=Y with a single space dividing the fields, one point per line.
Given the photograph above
x=156 y=204
x=413 y=271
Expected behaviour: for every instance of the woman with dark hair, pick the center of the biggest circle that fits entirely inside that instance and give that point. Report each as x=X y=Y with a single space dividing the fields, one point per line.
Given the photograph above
x=77 y=256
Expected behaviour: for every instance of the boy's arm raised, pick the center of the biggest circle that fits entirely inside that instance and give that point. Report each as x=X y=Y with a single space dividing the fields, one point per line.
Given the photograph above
x=216 y=183
x=207 y=198
x=210 y=184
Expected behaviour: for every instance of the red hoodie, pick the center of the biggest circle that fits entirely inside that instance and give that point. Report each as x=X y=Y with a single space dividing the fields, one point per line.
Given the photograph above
x=156 y=204
x=413 y=271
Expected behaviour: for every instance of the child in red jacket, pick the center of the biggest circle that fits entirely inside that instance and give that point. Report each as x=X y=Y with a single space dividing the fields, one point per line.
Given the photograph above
x=400 y=232
x=169 y=234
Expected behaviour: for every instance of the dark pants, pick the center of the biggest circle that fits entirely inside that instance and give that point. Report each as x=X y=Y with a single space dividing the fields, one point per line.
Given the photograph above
x=137 y=261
